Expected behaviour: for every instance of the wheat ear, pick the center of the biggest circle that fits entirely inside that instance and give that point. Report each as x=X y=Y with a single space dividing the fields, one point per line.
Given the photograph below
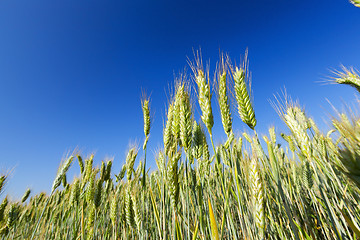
x=245 y=109
x=204 y=98
x=257 y=197
x=223 y=98
x=185 y=117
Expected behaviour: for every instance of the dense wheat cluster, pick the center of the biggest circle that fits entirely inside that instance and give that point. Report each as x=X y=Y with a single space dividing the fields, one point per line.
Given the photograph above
x=307 y=188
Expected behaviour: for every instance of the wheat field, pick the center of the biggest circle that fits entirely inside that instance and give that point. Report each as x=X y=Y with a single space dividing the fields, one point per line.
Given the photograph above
x=307 y=188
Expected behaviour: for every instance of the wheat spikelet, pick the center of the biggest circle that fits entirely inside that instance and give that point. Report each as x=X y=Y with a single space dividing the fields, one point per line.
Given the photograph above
x=307 y=173
x=245 y=109
x=108 y=171
x=323 y=146
x=90 y=189
x=204 y=168
x=146 y=115
x=62 y=173
x=58 y=197
x=221 y=150
x=130 y=161
x=175 y=124
x=88 y=168
x=109 y=186
x=3 y=205
x=75 y=192
x=81 y=163
x=203 y=92
x=237 y=149
x=160 y=162
x=204 y=163
x=129 y=210
x=90 y=221
x=197 y=140
x=64 y=181
x=257 y=197
x=297 y=125
x=204 y=98
x=97 y=192
x=26 y=195
x=102 y=170
x=185 y=117
x=139 y=170
x=12 y=215
x=206 y=153
x=356 y=3
x=223 y=98
x=173 y=178
x=167 y=135
x=137 y=212
x=2 y=182
x=348 y=77
x=114 y=206
x=272 y=135
x=348 y=152
x=289 y=140
x=121 y=174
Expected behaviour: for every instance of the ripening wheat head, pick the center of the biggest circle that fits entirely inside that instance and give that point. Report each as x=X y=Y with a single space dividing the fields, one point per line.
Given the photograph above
x=349 y=77
x=349 y=149
x=356 y=3
x=296 y=120
x=182 y=100
x=197 y=140
x=257 y=196
x=203 y=92
x=130 y=160
x=173 y=178
x=242 y=94
x=167 y=133
x=222 y=94
x=146 y=115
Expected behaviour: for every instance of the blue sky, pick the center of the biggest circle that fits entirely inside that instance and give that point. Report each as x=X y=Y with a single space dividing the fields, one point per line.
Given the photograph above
x=72 y=72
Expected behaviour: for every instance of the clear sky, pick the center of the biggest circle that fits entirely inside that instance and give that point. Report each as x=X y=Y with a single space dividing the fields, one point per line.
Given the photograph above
x=72 y=72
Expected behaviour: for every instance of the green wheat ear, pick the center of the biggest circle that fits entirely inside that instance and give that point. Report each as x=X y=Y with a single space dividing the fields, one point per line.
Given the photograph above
x=26 y=195
x=242 y=94
x=203 y=91
x=204 y=100
x=3 y=205
x=257 y=196
x=62 y=171
x=223 y=97
x=167 y=133
x=173 y=179
x=356 y=3
x=146 y=115
x=2 y=182
x=185 y=115
x=349 y=150
x=348 y=76
x=75 y=192
x=129 y=210
x=130 y=160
